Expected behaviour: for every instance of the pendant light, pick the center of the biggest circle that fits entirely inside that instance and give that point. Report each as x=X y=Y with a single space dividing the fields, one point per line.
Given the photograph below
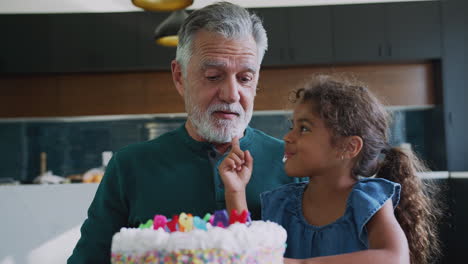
x=162 y=5
x=166 y=33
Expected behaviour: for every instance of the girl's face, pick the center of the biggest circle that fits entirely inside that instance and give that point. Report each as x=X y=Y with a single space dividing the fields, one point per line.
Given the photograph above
x=309 y=151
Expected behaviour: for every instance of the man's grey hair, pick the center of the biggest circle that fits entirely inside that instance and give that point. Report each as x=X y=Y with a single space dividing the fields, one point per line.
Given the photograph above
x=224 y=18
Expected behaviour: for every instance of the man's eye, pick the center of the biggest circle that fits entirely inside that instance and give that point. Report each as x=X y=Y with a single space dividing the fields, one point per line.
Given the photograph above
x=246 y=79
x=213 y=78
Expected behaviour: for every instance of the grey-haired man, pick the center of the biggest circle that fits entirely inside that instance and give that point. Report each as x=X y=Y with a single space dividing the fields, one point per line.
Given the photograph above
x=216 y=71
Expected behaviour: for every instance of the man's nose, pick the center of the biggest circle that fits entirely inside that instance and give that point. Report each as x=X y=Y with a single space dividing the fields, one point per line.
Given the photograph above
x=229 y=92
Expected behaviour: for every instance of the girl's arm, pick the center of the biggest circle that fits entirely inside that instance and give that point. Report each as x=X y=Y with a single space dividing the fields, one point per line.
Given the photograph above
x=235 y=171
x=387 y=243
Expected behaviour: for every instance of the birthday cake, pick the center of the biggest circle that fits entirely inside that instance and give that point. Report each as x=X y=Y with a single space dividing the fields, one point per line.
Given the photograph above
x=215 y=238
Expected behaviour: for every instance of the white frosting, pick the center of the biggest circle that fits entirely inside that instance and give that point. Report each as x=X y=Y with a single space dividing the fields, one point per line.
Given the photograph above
x=237 y=238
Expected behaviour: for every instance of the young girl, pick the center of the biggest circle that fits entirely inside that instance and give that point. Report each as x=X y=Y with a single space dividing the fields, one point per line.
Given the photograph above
x=344 y=214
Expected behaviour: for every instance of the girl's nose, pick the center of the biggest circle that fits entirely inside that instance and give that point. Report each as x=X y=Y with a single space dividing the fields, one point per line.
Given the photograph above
x=288 y=137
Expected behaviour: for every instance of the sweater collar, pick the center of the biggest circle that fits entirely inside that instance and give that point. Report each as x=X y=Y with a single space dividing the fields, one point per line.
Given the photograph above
x=202 y=147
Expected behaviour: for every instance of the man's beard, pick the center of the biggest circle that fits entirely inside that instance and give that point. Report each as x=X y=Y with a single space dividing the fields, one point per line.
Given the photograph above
x=217 y=130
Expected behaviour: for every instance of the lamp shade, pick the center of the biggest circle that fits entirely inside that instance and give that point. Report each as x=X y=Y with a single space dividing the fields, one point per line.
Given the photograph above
x=166 y=33
x=162 y=5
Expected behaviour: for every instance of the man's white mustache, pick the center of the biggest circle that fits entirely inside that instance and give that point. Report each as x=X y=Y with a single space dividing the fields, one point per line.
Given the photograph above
x=237 y=109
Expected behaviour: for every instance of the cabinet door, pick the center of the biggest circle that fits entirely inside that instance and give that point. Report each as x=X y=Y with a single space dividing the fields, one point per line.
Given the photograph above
x=151 y=56
x=458 y=241
x=275 y=22
x=310 y=35
x=73 y=42
x=25 y=43
x=115 y=41
x=455 y=83
x=359 y=32
x=414 y=30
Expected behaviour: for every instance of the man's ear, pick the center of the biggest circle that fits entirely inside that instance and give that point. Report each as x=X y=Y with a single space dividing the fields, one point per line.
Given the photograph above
x=353 y=146
x=177 y=77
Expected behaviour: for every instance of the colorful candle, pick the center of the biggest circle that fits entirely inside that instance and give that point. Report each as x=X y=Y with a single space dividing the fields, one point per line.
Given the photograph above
x=241 y=218
x=198 y=223
x=172 y=225
x=221 y=218
x=148 y=224
x=159 y=221
x=185 y=222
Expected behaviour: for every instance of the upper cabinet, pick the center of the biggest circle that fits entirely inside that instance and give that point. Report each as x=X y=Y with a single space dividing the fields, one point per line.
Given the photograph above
x=25 y=44
x=359 y=32
x=414 y=30
x=297 y=35
x=93 y=42
x=386 y=32
x=308 y=35
x=151 y=56
x=73 y=39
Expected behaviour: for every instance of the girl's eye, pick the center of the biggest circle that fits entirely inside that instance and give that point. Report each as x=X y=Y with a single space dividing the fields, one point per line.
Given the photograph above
x=304 y=129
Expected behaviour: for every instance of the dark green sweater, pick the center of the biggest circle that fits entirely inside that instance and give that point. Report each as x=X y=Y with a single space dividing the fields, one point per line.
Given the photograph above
x=169 y=175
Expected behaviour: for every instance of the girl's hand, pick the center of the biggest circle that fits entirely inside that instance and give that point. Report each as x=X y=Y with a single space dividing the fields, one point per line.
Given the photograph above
x=236 y=169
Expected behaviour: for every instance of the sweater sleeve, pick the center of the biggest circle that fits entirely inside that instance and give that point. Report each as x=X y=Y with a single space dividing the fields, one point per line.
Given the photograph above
x=107 y=213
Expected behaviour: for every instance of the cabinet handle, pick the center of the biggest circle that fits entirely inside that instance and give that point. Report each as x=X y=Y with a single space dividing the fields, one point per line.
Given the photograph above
x=281 y=54
x=380 y=50
x=389 y=50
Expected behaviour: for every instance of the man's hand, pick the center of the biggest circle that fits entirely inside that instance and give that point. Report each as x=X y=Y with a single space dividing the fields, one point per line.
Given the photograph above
x=236 y=169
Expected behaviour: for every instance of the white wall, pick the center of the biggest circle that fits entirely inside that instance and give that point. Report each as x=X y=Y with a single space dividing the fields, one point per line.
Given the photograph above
x=40 y=223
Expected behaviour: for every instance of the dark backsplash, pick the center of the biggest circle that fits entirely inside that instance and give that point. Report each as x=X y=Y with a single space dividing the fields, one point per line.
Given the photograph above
x=75 y=147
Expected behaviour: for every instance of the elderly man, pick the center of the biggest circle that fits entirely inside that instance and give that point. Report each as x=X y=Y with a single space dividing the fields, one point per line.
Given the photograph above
x=216 y=71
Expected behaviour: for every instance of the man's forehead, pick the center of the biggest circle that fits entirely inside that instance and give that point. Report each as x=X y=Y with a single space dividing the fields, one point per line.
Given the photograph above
x=224 y=64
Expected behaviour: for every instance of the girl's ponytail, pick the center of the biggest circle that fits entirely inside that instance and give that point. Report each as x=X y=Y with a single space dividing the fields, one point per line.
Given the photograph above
x=417 y=213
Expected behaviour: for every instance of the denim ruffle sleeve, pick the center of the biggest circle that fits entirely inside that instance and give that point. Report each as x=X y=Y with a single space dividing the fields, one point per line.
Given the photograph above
x=367 y=197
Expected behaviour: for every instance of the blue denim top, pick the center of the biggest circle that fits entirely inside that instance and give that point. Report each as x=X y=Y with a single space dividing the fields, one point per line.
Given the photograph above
x=347 y=234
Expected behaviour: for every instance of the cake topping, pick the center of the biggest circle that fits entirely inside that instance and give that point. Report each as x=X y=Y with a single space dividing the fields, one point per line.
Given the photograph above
x=186 y=222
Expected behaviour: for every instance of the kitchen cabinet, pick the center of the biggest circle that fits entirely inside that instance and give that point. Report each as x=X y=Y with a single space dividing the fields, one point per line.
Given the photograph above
x=455 y=93
x=297 y=35
x=115 y=41
x=414 y=30
x=93 y=42
x=275 y=24
x=455 y=82
x=308 y=35
x=26 y=43
x=387 y=32
x=358 y=32
x=458 y=217
x=151 y=56
x=73 y=42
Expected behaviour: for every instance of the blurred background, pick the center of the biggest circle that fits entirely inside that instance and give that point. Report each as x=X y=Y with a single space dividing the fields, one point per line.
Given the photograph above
x=80 y=80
